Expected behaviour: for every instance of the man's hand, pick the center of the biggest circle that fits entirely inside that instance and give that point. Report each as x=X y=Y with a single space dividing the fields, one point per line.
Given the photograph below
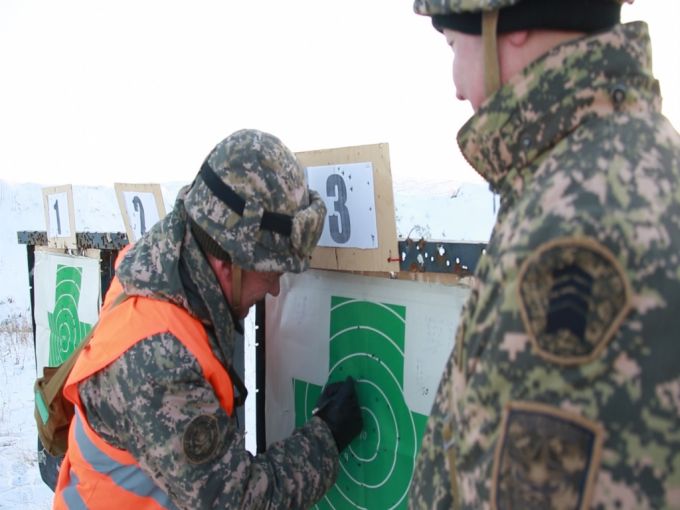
x=339 y=407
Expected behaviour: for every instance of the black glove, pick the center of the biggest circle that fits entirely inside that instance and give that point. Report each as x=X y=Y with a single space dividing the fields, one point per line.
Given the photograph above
x=338 y=406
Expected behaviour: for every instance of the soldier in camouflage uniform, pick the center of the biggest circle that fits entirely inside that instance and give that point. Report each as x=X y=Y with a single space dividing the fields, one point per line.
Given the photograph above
x=247 y=217
x=563 y=388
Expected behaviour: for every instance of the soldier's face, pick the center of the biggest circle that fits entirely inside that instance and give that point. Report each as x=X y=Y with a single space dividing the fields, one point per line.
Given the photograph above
x=255 y=285
x=468 y=66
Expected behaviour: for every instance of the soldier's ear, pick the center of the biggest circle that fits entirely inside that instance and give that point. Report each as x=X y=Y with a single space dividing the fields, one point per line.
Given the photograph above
x=218 y=265
x=517 y=38
x=223 y=273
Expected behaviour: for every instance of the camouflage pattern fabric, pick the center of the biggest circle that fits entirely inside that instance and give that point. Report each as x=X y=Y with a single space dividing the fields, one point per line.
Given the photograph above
x=263 y=172
x=563 y=388
x=434 y=7
x=154 y=402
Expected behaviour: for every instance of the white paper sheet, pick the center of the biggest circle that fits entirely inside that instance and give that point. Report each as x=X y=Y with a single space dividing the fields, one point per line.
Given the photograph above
x=349 y=195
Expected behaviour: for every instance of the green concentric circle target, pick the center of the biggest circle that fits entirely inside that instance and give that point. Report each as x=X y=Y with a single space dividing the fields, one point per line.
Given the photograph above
x=367 y=342
x=66 y=330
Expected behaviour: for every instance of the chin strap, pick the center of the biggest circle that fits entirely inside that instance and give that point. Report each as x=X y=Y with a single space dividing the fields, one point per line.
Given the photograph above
x=492 y=70
x=235 y=286
x=241 y=392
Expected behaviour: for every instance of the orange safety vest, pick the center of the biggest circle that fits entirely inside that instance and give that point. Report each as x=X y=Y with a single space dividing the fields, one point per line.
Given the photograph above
x=94 y=474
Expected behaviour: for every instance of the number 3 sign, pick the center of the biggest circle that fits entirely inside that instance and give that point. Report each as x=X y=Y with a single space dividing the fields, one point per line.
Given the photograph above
x=360 y=232
x=348 y=193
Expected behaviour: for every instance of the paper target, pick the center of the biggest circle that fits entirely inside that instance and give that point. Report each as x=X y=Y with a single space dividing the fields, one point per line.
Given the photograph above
x=66 y=329
x=67 y=301
x=367 y=342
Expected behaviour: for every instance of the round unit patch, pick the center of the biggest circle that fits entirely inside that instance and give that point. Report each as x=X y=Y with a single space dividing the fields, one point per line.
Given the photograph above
x=573 y=296
x=201 y=438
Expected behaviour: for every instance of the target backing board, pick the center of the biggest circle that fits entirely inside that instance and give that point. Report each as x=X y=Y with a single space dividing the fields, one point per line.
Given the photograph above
x=393 y=337
x=67 y=298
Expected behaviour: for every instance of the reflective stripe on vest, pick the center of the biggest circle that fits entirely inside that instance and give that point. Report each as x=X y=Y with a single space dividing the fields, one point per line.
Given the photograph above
x=126 y=476
x=70 y=494
x=94 y=474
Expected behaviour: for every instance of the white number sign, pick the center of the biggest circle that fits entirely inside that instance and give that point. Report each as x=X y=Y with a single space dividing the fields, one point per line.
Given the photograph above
x=60 y=219
x=57 y=208
x=348 y=193
x=142 y=211
x=141 y=206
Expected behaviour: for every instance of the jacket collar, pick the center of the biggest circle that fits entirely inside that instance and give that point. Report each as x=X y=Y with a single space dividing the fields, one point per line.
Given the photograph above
x=168 y=264
x=573 y=83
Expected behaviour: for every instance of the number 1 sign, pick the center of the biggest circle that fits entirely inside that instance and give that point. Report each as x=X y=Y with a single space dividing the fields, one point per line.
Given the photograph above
x=348 y=193
x=60 y=216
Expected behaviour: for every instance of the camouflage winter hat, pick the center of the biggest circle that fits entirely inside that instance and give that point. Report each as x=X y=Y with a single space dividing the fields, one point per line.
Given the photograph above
x=251 y=198
x=576 y=15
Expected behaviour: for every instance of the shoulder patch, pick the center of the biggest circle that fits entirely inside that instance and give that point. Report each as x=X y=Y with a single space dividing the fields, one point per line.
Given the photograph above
x=573 y=296
x=545 y=458
x=201 y=439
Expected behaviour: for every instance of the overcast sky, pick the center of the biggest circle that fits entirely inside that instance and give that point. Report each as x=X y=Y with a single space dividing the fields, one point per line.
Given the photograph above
x=96 y=92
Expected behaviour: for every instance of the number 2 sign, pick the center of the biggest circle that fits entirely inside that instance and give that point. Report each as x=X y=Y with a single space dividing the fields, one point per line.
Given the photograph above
x=141 y=206
x=348 y=192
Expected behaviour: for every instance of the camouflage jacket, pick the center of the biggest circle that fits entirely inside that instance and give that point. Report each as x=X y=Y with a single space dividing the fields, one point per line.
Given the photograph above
x=563 y=388
x=146 y=401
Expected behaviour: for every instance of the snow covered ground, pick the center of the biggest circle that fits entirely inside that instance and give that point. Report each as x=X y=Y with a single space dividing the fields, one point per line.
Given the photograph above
x=431 y=210
x=20 y=484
